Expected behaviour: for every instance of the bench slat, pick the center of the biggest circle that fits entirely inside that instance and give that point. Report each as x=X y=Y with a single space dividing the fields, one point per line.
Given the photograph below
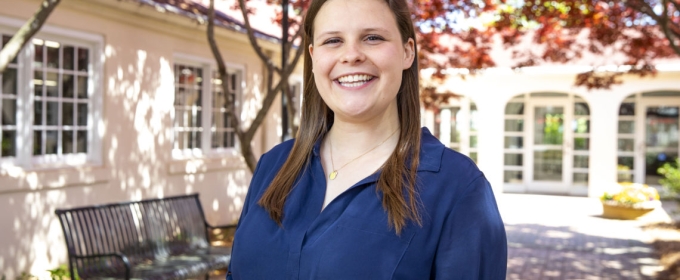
x=149 y=234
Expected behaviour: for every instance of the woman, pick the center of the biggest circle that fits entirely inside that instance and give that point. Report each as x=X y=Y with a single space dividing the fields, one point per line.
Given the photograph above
x=363 y=193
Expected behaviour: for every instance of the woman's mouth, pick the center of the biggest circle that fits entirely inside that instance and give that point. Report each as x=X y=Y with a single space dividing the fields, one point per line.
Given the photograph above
x=352 y=81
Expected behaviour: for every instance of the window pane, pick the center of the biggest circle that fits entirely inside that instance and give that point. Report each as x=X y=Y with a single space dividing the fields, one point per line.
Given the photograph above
x=548 y=125
x=627 y=109
x=51 y=84
x=581 y=109
x=38 y=83
x=67 y=86
x=513 y=177
x=82 y=141
x=581 y=178
x=67 y=137
x=548 y=165
x=52 y=113
x=473 y=117
x=67 y=113
x=582 y=144
x=581 y=161
x=180 y=118
x=625 y=163
x=514 y=108
x=52 y=56
x=38 y=113
x=69 y=57
x=661 y=124
x=8 y=143
x=82 y=87
x=5 y=40
x=83 y=59
x=581 y=125
x=9 y=111
x=513 y=159
x=51 y=142
x=473 y=156
x=473 y=141
x=82 y=114
x=626 y=145
x=625 y=176
x=514 y=142
x=626 y=126
x=37 y=142
x=9 y=81
x=38 y=57
x=514 y=125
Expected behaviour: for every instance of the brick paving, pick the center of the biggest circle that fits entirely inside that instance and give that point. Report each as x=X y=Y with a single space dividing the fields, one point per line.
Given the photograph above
x=559 y=237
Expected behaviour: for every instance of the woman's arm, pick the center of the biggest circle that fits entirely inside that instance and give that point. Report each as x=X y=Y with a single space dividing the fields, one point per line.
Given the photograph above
x=473 y=244
x=250 y=196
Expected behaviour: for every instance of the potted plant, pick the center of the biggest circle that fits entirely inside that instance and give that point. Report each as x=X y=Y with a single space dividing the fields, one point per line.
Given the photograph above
x=629 y=202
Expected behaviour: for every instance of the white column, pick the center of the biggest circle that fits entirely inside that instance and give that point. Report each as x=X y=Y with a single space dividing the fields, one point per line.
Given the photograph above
x=603 y=141
x=490 y=140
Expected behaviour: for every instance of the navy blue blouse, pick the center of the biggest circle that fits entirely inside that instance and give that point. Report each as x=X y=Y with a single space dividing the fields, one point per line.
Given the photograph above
x=462 y=236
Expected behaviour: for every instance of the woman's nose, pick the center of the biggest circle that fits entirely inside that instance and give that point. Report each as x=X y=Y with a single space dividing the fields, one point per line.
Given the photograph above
x=353 y=54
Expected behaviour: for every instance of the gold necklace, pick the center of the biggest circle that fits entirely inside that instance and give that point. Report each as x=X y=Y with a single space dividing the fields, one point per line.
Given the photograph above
x=334 y=174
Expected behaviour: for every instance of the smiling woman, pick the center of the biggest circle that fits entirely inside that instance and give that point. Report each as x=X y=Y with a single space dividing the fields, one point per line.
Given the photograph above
x=363 y=192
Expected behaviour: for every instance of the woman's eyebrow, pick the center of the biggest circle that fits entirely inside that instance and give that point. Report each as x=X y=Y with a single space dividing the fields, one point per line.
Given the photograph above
x=365 y=30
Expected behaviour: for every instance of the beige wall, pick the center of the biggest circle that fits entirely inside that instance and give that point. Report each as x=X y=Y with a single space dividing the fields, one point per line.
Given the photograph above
x=139 y=47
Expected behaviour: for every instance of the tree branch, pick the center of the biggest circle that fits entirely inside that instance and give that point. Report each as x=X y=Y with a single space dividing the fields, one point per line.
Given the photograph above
x=298 y=34
x=665 y=28
x=246 y=150
x=267 y=102
x=25 y=33
x=253 y=40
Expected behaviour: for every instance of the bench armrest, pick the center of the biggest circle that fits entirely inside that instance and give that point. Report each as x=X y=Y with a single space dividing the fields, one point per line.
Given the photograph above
x=232 y=226
x=120 y=256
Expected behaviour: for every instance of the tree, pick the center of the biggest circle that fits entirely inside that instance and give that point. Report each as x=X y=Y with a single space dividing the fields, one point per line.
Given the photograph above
x=465 y=32
x=25 y=33
x=283 y=71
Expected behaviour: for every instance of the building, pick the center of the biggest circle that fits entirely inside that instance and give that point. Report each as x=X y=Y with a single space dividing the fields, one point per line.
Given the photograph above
x=535 y=132
x=115 y=101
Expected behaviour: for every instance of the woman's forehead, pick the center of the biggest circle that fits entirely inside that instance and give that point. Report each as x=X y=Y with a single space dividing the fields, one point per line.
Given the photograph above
x=336 y=16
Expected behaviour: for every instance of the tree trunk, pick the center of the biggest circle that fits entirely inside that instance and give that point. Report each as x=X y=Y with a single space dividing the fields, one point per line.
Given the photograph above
x=24 y=35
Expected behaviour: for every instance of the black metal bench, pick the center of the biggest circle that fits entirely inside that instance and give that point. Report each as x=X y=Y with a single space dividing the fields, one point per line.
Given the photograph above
x=164 y=238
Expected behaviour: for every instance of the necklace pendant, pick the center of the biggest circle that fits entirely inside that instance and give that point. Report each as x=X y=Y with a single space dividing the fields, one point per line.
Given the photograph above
x=333 y=175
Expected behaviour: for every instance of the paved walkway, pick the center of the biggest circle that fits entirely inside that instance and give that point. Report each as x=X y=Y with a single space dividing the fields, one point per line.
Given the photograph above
x=559 y=237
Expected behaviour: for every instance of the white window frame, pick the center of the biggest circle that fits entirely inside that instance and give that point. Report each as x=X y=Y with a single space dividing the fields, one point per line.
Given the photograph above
x=208 y=66
x=24 y=154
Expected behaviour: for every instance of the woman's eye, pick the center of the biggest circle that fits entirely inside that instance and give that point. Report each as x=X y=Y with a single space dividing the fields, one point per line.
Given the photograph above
x=331 y=41
x=374 y=38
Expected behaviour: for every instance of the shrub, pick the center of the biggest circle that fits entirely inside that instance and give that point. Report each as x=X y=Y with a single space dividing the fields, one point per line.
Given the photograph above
x=671 y=174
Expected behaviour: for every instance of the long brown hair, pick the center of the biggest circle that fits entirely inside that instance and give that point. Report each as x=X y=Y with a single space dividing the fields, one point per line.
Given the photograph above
x=397 y=182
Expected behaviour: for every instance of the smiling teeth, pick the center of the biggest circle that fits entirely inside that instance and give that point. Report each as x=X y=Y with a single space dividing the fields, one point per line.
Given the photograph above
x=354 y=80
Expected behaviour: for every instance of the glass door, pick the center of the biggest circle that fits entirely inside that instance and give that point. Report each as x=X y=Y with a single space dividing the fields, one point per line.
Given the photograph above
x=549 y=171
x=660 y=141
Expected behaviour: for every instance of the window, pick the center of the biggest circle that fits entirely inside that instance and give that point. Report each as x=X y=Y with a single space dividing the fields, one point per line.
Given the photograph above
x=60 y=98
x=193 y=135
x=223 y=129
x=8 y=105
x=50 y=100
x=188 y=117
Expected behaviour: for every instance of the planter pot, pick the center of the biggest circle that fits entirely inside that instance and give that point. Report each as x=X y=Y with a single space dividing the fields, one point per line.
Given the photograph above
x=621 y=212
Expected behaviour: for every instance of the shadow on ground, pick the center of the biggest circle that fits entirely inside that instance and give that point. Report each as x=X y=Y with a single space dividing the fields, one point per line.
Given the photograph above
x=561 y=252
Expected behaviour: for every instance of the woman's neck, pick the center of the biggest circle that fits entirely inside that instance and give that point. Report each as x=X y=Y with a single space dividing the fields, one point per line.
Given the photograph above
x=357 y=137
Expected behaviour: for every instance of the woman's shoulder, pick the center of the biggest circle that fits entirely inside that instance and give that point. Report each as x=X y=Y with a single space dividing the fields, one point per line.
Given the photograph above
x=444 y=161
x=278 y=152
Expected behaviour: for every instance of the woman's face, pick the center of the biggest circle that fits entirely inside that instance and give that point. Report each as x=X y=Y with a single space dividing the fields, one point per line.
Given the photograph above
x=358 y=57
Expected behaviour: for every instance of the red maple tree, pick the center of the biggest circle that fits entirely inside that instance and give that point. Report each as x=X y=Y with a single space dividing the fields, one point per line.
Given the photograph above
x=462 y=34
